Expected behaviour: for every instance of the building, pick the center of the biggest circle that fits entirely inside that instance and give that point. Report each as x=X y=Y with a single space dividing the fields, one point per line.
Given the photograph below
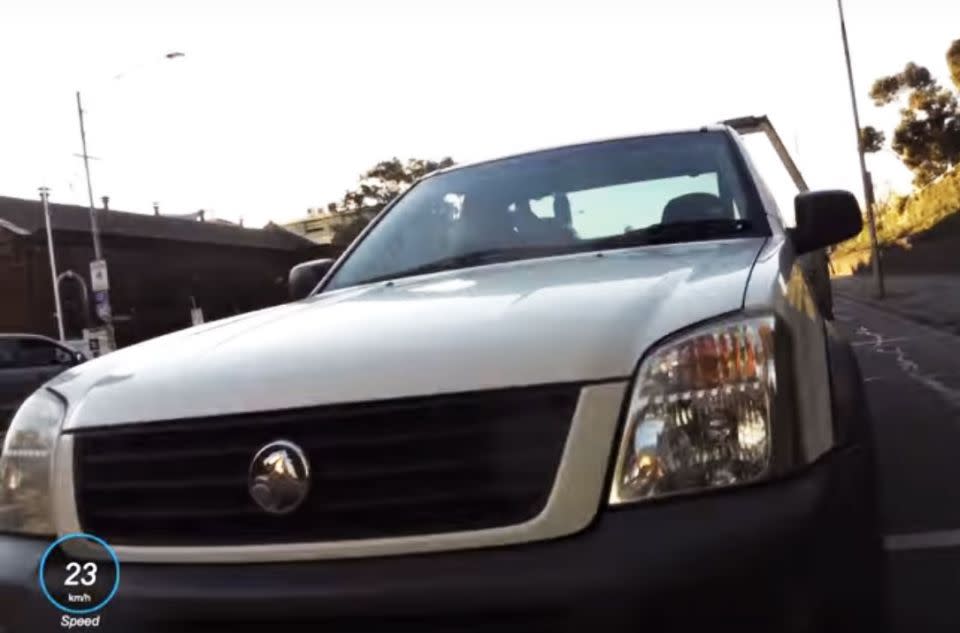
x=321 y=224
x=159 y=269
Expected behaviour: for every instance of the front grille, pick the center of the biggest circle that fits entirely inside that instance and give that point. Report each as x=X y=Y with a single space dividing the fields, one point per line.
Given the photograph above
x=386 y=469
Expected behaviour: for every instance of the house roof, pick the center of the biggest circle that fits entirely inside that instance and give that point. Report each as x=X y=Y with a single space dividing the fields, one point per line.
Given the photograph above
x=26 y=217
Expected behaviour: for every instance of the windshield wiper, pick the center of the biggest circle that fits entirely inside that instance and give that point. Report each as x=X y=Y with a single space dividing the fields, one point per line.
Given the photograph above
x=655 y=234
x=670 y=232
x=476 y=258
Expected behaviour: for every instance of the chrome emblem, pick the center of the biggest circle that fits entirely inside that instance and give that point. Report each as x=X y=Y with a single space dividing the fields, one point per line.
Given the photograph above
x=279 y=477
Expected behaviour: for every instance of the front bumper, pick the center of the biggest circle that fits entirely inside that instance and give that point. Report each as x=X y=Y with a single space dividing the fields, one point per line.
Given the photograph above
x=778 y=556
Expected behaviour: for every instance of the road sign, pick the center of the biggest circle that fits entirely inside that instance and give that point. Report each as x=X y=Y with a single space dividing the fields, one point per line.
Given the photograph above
x=102 y=300
x=99 y=281
x=98 y=340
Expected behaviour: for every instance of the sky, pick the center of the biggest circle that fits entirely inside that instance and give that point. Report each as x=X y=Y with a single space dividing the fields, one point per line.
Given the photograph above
x=278 y=105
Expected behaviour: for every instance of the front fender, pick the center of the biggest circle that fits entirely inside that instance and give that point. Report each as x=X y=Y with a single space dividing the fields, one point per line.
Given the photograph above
x=851 y=412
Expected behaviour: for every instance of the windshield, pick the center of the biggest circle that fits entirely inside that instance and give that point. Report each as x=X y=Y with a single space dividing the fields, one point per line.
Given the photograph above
x=602 y=195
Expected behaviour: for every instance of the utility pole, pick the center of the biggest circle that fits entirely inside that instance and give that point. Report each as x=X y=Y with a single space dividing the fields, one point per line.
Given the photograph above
x=44 y=194
x=99 y=278
x=98 y=267
x=864 y=174
x=94 y=228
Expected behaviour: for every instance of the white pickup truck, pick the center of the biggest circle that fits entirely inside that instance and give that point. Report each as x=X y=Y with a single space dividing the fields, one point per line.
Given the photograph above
x=585 y=387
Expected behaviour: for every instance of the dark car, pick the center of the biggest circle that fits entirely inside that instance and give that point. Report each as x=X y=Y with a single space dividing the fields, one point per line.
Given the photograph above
x=26 y=362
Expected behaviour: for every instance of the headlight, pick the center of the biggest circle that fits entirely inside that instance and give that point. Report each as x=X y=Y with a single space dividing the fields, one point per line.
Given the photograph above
x=699 y=415
x=25 y=465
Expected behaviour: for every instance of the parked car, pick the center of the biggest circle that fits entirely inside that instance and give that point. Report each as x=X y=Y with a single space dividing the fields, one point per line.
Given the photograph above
x=584 y=388
x=26 y=362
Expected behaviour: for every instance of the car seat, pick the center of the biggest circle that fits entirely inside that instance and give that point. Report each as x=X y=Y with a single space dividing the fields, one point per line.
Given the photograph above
x=696 y=206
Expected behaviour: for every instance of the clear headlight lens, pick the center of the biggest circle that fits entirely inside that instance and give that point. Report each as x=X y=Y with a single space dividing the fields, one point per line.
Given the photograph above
x=699 y=416
x=25 y=465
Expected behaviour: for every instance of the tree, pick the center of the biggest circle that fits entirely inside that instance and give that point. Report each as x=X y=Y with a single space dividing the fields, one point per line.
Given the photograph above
x=346 y=233
x=953 y=62
x=927 y=139
x=377 y=187
x=871 y=139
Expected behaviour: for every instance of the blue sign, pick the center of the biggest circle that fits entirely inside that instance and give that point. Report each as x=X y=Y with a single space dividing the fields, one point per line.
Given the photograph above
x=102 y=299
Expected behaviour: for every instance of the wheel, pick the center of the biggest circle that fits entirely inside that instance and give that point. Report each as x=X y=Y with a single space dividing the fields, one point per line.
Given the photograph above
x=860 y=586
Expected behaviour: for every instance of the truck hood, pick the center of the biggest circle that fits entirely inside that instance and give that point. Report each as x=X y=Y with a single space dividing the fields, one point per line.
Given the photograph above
x=581 y=317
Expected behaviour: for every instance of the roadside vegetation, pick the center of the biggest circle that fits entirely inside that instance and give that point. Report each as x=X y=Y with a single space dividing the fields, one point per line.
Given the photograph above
x=376 y=188
x=899 y=217
x=927 y=141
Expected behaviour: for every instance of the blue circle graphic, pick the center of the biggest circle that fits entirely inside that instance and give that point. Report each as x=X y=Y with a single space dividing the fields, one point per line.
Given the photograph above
x=99 y=541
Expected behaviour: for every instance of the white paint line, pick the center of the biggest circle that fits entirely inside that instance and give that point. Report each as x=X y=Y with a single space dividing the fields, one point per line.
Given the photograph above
x=915 y=326
x=916 y=336
x=895 y=339
x=922 y=540
x=899 y=377
x=909 y=367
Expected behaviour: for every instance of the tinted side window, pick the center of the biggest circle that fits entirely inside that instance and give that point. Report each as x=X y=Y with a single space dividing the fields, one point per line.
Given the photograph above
x=34 y=353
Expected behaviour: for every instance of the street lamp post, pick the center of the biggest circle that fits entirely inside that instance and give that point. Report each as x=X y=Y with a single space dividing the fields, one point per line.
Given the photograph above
x=103 y=296
x=864 y=174
x=44 y=194
x=94 y=227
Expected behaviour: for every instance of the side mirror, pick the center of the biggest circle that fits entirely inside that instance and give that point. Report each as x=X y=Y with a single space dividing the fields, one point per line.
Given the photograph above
x=303 y=278
x=824 y=218
x=79 y=358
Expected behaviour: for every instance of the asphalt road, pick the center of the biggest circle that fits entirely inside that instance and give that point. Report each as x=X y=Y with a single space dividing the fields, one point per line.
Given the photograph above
x=912 y=375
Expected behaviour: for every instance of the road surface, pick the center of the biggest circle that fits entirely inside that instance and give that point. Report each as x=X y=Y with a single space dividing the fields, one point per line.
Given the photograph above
x=912 y=376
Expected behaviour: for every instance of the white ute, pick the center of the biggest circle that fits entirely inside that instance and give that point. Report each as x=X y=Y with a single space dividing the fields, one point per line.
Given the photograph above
x=592 y=384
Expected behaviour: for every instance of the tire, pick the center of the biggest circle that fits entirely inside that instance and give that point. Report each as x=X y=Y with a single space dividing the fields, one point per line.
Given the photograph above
x=860 y=586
